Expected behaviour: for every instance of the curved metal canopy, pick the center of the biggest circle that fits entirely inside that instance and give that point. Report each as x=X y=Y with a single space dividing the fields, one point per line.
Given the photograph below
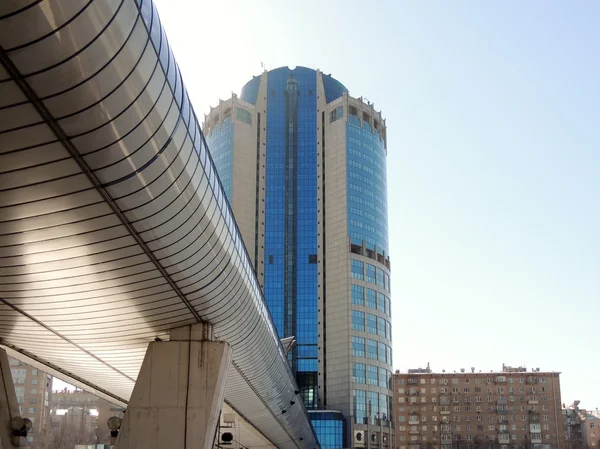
x=113 y=224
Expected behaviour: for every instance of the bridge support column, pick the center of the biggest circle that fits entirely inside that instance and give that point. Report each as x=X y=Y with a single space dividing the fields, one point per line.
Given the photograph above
x=177 y=398
x=13 y=428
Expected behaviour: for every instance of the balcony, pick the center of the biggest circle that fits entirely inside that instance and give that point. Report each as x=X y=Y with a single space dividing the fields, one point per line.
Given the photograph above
x=413 y=421
x=536 y=438
x=533 y=402
x=413 y=432
x=504 y=438
x=446 y=438
x=445 y=412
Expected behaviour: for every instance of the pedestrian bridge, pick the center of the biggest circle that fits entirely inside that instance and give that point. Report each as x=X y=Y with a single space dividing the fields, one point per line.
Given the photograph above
x=114 y=227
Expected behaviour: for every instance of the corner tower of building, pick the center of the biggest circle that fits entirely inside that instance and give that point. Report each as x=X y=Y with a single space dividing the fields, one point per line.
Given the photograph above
x=303 y=165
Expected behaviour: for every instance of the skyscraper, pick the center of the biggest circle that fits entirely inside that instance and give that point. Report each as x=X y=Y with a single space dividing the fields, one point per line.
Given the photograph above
x=303 y=165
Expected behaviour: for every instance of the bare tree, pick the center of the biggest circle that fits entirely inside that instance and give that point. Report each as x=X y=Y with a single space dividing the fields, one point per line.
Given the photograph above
x=69 y=431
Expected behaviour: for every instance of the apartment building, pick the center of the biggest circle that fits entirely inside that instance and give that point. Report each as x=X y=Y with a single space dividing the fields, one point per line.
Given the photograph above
x=84 y=414
x=582 y=427
x=511 y=408
x=590 y=430
x=33 y=388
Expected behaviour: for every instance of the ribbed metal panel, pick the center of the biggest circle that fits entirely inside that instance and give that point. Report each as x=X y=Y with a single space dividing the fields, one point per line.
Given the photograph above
x=113 y=225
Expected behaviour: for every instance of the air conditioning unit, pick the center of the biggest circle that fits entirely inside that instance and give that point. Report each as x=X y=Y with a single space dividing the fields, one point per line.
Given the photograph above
x=359 y=438
x=374 y=438
x=385 y=438
x=226 y=438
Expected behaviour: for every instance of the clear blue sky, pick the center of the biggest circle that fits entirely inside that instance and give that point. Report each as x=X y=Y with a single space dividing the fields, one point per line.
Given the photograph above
x=493 y=114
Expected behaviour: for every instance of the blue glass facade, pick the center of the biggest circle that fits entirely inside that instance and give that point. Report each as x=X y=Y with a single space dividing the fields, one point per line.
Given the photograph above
x=330 y=428
x=250 y=90
x=367 y=186
x=370 y=406
x=333 y=88
x=290 y=276
x=220 y=142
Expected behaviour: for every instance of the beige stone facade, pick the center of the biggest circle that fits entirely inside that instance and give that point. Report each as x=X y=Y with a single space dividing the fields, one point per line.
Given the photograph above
x=512 y=408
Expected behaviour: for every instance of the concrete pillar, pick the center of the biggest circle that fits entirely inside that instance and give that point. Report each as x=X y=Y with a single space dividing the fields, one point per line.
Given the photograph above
x=9 y=408
x=177 y=398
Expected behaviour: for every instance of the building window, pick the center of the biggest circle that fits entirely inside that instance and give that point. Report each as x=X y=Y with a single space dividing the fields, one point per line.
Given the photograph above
x=372 y=349
x=31 y=410
x=371 y=324
x=358 y=295
x=371 y=298
x=336 y=114
x=358 y=270
x=360 y=406
x=32 y=400
x=388 y=306
x=371 y=274
x=358 y=346
x=381 y=303
x=372 y=376
x=381 y=327
x=358 y=372
x=383 y=378
x=243 y=115
x=34 y=372
x=358 y=320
